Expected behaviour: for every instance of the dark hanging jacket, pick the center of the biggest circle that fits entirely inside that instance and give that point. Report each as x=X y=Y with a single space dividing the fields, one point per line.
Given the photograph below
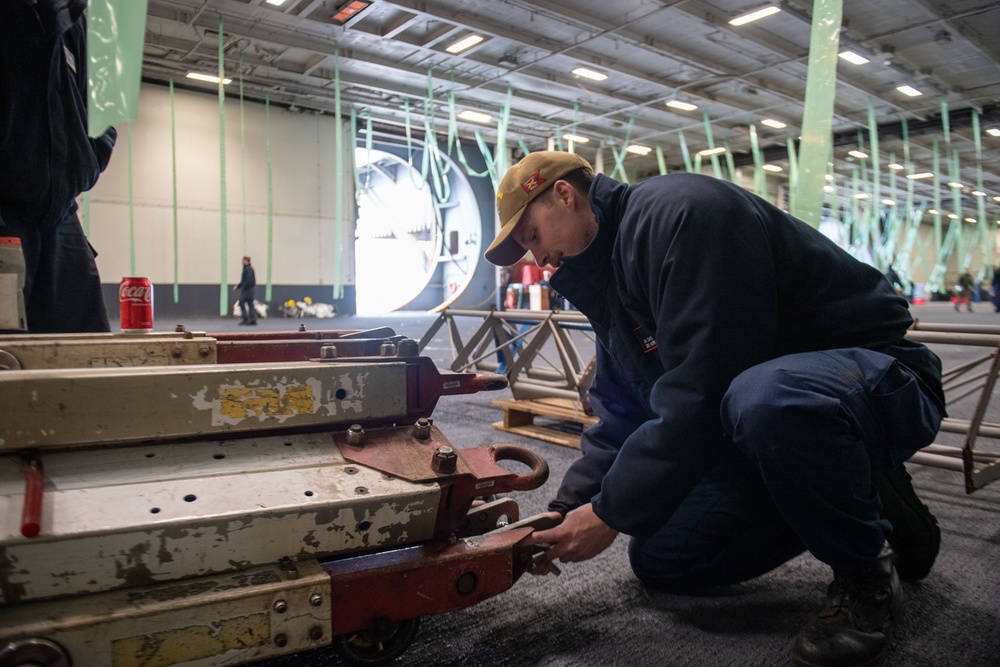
x=46 y=157
x=690 y=281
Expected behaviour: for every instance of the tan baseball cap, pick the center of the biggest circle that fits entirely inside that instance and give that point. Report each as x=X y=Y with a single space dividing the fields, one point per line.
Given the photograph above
x=522 y=183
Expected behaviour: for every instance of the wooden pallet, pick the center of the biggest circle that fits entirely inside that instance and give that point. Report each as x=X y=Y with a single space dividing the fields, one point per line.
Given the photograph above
x=567 y=420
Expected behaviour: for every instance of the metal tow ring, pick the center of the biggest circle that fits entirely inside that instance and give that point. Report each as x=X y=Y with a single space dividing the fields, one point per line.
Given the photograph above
x=530 y=480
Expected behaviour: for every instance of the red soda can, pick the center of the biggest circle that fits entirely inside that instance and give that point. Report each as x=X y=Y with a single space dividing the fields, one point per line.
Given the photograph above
x=135 y=300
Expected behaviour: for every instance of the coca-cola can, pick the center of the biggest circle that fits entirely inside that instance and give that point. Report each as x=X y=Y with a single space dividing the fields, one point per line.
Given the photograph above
x=135 y=300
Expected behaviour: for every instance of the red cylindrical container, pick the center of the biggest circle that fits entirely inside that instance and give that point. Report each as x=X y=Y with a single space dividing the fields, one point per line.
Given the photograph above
x=135 y=299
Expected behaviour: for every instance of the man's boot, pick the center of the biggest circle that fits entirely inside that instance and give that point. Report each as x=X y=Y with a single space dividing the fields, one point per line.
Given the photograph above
x=915 y=537
x=850 y=631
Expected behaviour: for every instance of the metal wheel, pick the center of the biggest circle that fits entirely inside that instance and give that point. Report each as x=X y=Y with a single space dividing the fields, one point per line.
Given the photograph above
x=383 y=642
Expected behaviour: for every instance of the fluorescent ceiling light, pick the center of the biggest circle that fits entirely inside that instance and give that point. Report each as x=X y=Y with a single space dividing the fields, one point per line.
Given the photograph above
x=909 y=91
x=993 y=131
x=953 y=216
x=827 y=188
x=576 y=138
x=922 y=174
x=972 y=220
x=276 y=3
x=861 y=195
x=589 y=74
x=853 y=58
x=978 y=193
x=638 y=149
x=770 y=122
x=475 y=116
x=861 y=155
x=210 y=78
x=934 y=211
x=888 y=202
x=771 y=167
x=755 y=15
x=713 y=151
x=955 y=184
x=687 y=106
x=347 y=10
x=895 y=165
x=464 y=43
x=829 y=177
x=997 y=199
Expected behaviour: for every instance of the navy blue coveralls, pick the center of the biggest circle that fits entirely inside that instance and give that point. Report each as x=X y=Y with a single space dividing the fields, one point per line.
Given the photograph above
x=47 y=160
x=738 y=426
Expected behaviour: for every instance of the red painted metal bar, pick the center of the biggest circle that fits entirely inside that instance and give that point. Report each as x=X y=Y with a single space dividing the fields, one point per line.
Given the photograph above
x=424 y=580
x=34 y=483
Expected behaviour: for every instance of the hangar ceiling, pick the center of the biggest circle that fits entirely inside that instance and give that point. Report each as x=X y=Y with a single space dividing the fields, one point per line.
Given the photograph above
x=651 y=51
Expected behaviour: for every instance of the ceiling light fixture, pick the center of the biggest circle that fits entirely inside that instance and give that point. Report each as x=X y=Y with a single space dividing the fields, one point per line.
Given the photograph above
x=853 y=58
x=861 y=195
x=996 y=199
x=771 y=167
x=922 y=174
x=575 y=138
x=828 y=188
x=276 y=3
x=972 y=220
x=590 y=74
x=829 y=177
x=861 y=155
x=638 y=149
x=755 y=15
x=475 y=116
x=909 y=91
x=712 y=151
x=210 y=78
x=993 y=131
x=687 y=106
x=888 y=202
x=953 y=216
x=348 y=10
x=978 y=193
x=776 y=124
x=464 y=43
x=895 y=165
x=934 y=211
x=955 y=184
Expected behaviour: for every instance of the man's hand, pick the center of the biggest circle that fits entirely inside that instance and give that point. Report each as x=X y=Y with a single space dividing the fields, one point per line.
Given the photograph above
x=234 y=287
x=581 y=536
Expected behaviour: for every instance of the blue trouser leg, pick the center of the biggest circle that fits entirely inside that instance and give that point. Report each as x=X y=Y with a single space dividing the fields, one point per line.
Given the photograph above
x=812 y=429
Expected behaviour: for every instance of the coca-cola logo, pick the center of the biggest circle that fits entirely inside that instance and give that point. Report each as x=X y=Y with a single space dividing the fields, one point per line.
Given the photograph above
x=135 y=293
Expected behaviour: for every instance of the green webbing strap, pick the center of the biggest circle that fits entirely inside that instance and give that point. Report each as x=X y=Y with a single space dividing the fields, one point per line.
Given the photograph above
x=173 y=181
x=223 y=240
x=730 y=162
x=243 y=162
x=358 y=186
x=817 y=118
x=759 y=178
x=559 y=146
x=270 y=193
x=116 y=31
x=984 y=226
x=661 y=163
x=339 y=197
x=793 y=175
x=409 y=149
x=936 y=189
x=620 y=155
x=876 y=200
x=131 y=207
x=716 y=167
x=697 y=162
x=454 y=141
x=523 y=146
x=685 y=155
x=86 y=213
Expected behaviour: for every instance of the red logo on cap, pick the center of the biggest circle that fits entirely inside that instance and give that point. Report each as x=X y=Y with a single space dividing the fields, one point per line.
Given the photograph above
x=532 y=182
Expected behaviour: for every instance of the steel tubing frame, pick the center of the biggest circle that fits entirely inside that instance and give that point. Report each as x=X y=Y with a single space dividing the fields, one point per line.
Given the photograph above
x=498 y=331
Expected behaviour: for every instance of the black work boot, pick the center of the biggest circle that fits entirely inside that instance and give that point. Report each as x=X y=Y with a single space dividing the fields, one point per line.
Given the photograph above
x=915 y=537
x=851 y=630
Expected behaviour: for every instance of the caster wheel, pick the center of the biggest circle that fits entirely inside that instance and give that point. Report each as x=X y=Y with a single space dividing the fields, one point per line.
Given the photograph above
x=383 y=642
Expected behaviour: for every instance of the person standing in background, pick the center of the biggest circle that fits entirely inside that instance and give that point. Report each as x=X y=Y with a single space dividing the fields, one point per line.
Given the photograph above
x=248 y=281
x=47 y=159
